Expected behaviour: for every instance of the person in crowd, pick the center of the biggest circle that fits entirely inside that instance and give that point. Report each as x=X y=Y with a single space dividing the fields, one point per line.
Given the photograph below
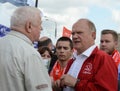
x=64 y=51
x=91 y=69
x=46 y=54
x=45 y=41
x=109 y=44
x=21 y=67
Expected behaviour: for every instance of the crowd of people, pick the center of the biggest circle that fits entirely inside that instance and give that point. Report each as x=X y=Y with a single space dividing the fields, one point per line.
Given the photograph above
x=75 y=64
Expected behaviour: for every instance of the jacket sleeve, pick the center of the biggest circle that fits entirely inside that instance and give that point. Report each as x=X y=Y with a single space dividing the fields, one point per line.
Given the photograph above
x=104 y=79
x=36 y=76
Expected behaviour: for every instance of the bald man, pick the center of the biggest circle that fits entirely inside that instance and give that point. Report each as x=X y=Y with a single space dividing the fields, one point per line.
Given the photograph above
x=45 y=41
x=91 y=69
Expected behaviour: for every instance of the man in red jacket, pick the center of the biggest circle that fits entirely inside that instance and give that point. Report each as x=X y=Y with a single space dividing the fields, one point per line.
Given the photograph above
x=91 y=69
x=109 y=44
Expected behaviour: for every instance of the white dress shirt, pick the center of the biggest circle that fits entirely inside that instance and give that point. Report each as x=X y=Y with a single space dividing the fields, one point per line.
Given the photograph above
x=77 y=64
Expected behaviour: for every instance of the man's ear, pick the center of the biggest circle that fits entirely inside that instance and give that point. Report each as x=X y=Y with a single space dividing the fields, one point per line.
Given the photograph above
x=116 y=44
x=94 y=35
x=28 y=26
x=72 y=50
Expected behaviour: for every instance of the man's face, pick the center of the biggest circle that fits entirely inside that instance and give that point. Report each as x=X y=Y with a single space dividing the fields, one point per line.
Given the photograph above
x=63 y=50
x=82 y=36
x=36 y=29
x=107 y=43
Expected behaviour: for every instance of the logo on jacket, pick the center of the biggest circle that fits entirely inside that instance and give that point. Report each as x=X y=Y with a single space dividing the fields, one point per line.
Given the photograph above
x=87 y=69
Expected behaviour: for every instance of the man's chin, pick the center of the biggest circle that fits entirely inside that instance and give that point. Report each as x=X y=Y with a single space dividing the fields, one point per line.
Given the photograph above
x=77 y=48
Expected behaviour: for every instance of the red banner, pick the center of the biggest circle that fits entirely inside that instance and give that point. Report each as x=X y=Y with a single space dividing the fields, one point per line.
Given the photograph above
x=66 y=32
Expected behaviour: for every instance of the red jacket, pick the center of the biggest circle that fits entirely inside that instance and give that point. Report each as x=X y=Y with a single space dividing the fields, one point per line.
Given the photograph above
x=98 y=73
x=116 y=57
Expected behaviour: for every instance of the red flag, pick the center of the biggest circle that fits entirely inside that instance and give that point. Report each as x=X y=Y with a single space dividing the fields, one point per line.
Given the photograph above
x=66 y=32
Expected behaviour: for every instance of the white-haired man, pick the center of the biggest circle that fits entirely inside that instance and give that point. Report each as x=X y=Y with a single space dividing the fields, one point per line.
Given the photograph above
x=21 y=68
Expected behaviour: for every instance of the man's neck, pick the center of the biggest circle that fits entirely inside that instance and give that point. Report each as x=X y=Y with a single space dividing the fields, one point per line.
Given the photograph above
x=63 y=63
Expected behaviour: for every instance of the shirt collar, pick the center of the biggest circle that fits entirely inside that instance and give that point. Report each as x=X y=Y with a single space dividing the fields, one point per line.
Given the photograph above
x=87 y=52
x=21 y=36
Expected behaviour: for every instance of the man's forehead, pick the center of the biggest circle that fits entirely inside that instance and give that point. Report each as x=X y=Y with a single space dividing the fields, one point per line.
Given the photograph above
x=63 y=43
x=80 y=26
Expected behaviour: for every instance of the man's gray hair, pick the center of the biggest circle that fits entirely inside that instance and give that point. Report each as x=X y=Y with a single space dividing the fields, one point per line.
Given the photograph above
x=22 y=14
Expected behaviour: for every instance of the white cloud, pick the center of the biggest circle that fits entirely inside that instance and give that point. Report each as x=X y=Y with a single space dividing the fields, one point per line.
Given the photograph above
x=6 y=10
x=66 y=12
x=116 y=16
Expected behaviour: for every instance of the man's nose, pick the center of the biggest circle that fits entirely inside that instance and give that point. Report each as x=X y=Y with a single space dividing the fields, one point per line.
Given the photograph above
x=103 y=43
x=62 y=50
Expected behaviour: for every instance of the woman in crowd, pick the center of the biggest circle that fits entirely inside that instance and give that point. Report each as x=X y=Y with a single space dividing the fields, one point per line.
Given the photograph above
x=46 y=54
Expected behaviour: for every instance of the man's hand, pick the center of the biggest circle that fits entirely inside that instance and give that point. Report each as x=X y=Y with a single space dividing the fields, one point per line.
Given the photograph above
x=67 y=80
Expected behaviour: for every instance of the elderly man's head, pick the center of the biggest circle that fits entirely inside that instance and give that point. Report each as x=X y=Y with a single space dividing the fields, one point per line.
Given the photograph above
x=27 y=20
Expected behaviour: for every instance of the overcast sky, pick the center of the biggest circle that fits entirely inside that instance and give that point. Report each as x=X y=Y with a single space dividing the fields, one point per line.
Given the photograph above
x=105 y=14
